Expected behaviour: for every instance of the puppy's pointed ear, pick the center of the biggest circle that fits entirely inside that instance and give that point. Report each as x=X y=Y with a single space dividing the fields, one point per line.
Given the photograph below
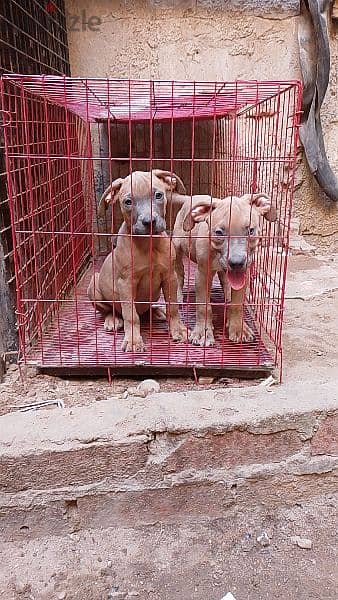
x=173 y=182
x=264 y=205
x=109 y=196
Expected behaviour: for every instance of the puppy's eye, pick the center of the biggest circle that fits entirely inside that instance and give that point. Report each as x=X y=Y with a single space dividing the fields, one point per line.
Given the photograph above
x=251 y=230
x=158 y=195
x=219 y=232
x=128 y=202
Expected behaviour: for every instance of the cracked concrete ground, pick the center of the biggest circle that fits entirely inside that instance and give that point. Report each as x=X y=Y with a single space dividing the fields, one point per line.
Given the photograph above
x=164 y=497
x=191 y=561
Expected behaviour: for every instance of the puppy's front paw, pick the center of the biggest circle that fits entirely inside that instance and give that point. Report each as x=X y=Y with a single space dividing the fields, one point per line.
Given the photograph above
x=112 y=323
x=202 y=337
x=240 y=332
x=134 y=344
x=179 y=332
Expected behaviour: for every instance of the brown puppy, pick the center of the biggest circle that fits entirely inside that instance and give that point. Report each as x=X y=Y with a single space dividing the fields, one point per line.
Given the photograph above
x=221 y=237
x=142 y=264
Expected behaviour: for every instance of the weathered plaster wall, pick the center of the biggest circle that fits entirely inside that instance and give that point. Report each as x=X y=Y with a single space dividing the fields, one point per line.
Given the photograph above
x=209 y=39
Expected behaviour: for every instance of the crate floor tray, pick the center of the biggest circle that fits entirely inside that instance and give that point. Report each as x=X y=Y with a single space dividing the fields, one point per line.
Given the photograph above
x=76 y=339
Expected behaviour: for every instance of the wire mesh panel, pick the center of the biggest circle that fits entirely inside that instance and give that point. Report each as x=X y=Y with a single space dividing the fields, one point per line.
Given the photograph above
x=150 y=219
x=33 y=39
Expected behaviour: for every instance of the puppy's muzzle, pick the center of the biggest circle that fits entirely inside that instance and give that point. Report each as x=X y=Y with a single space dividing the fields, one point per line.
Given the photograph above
x=237 y=263
x=149 y=225
x=149 y=222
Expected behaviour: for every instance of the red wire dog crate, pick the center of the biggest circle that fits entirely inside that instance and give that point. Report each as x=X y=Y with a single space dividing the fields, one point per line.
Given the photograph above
x=67 y=138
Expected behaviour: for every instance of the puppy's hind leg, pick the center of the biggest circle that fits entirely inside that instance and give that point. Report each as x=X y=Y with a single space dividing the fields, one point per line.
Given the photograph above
x=179 y=268
x=178 y=330
x=112 y=322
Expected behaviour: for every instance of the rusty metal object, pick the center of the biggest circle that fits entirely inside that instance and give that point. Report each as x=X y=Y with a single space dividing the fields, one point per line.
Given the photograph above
x=314 y=52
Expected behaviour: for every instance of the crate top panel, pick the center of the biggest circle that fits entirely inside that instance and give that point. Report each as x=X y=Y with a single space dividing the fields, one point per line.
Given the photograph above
x=140 y=100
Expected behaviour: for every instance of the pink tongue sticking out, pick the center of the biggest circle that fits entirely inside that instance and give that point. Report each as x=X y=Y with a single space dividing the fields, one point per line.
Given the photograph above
x=236 y=279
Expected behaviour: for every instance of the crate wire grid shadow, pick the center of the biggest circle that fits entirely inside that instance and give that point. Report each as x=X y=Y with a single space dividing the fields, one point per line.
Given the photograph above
x=66 y=139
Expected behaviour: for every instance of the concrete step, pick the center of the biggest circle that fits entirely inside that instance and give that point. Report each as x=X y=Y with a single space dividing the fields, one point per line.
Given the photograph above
x=166 y=458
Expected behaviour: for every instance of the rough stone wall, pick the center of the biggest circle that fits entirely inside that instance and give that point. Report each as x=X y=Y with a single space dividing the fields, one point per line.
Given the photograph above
x=167 y=459
x=207 y=40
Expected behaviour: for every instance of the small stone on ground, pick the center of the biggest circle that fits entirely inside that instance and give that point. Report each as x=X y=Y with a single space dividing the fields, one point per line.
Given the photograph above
x=304 y=543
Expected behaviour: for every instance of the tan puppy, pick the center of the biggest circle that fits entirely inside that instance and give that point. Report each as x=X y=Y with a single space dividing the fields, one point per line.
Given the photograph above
x=142 y=264
x=220 y=236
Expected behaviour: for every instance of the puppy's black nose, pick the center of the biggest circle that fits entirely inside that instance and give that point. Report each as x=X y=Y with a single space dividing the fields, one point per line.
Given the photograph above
x=237 y=263
x=149 y=220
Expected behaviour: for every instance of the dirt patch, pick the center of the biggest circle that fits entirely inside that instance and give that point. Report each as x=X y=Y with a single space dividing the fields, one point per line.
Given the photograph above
x=195 y=561
x=26 y=386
